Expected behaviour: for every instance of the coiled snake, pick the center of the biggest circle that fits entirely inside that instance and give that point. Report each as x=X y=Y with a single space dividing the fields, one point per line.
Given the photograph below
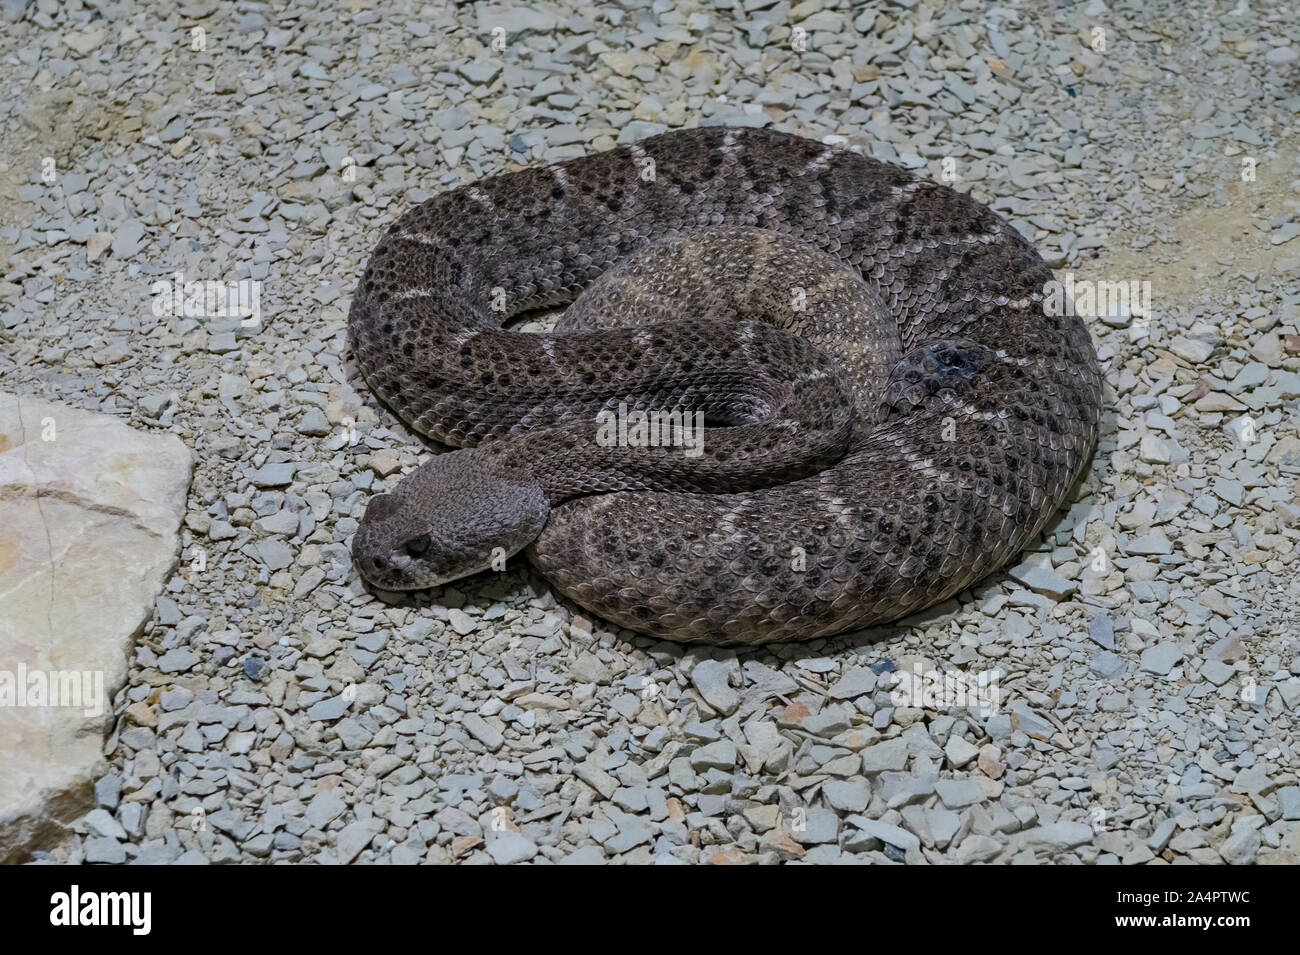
x=889 y=411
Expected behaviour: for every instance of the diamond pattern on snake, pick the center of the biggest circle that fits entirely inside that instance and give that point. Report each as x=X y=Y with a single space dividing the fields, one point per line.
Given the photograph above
x=889 y=414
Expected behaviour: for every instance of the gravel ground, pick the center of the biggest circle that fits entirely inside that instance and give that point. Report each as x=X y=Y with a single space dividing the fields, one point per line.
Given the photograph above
x=1145 y=653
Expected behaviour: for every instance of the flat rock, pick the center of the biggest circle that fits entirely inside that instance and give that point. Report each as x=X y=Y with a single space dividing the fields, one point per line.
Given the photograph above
x=817 y=827
x=959 y=752
x=855 y=682
x=1288 y=800
x=1193 y=350
x=1102 y=631
x=353 y=839
x=890 y=835
x=1149 y=545
x=1161 y=658
x=710 y=679
x=958 y=793
x=1107 y=664
x=483 y=731
x=78 y=490
x=1042 y=580
x=890 y=754
x=719 y=755
x=1060 y=835
x=509 y=847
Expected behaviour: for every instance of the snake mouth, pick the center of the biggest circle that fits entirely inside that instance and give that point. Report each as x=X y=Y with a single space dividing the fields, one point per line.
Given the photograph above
x=400 y=574
x=386 y=573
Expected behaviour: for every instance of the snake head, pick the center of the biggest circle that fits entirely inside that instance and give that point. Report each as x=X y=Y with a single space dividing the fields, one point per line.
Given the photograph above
x=453 y=516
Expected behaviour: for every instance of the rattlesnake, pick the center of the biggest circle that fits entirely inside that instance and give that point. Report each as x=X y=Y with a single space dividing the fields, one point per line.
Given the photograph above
x=921 y=424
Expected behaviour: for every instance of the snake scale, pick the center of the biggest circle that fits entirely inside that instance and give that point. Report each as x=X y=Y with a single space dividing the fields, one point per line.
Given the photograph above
x=889 y=411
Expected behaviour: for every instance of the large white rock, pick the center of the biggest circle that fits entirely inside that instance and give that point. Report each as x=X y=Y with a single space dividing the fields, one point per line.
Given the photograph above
x=90 y=511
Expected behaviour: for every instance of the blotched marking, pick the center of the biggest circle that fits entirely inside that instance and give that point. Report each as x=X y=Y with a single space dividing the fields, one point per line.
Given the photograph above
x=843 y=515
x=818 y=162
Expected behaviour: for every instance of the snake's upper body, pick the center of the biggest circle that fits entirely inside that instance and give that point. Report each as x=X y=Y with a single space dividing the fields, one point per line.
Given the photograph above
x=889 y=412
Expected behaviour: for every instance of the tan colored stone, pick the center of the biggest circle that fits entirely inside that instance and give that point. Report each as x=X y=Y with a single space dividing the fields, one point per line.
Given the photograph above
x=90 y=511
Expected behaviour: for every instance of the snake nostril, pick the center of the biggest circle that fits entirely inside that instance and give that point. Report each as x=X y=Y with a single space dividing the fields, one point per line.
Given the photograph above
x=378 y=563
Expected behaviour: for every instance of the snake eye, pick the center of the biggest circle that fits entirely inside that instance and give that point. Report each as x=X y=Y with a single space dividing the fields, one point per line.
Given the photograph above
x=417 y=545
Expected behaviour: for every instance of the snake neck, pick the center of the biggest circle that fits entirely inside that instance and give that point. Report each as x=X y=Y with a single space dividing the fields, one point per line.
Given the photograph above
x=653 y=451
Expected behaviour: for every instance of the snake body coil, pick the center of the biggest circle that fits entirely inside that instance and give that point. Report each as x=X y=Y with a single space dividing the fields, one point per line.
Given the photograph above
x=891 y=412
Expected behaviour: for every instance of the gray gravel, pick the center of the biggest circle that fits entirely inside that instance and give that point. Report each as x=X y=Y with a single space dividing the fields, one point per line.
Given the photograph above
x=1145 y=652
